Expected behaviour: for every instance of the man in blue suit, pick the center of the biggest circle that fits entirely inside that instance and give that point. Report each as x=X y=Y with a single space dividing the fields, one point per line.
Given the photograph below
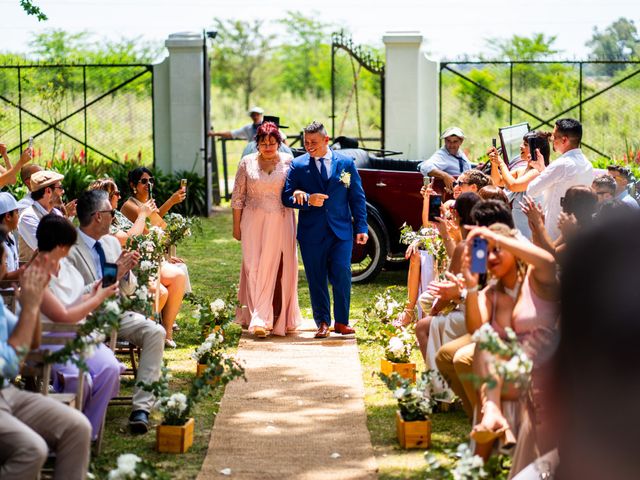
x=326 y=187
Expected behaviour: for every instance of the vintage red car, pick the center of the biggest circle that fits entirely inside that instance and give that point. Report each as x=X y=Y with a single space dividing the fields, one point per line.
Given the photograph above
x=392 y=188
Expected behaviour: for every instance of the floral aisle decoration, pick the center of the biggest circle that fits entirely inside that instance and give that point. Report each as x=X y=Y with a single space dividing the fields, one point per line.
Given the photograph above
x=175 y=434
x=380 y=314
x=428 y=239
x=397 y=353
x=467 y=466
x=96 y=328
x=178 y=228
x=214 y=313
x=206 y=350
x=151 y=249
x=511 y=363
x=415 y=406
x=132 y=467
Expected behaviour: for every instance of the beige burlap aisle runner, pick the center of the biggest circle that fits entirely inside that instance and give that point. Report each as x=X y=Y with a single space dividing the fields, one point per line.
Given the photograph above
x=300 y=415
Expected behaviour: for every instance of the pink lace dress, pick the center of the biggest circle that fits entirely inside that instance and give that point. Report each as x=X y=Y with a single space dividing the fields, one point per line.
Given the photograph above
x=269 y=254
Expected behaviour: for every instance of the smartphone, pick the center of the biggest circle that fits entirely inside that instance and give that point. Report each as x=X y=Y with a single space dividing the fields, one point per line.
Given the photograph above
x=532 y=149
x=109 y=274
x=435 y=201
x=150 y=187
x=30 y=142
x=183 y=183
x=494 y=142
x=479 y=255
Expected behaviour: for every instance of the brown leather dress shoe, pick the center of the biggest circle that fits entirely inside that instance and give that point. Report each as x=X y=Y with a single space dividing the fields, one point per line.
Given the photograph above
x=343 y=329
x=323 y=330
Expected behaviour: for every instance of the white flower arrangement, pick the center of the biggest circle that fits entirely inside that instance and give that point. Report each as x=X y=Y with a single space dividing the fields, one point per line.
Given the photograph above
x=111 y=306
x=217 y=306
x=399 y=347
x=428 y=239
x=132 y=467
x=415 y=402
x=467 y=465
x=211 y=344
x=345 y=178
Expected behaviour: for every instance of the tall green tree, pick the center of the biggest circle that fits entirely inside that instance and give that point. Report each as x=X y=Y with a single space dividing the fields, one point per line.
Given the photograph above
x=240 y=51
x=304 y=55
x=520 y=48
x=619 y=41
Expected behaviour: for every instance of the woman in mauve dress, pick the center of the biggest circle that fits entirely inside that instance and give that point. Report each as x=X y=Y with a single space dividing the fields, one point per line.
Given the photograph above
x=268 y=292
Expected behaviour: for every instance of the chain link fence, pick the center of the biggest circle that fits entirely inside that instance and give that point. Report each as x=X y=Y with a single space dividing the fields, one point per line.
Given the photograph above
x=86 y=112
x=605 y=96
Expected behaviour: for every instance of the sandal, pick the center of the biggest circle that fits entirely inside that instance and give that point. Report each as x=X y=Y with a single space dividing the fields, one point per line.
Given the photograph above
x=260 y=332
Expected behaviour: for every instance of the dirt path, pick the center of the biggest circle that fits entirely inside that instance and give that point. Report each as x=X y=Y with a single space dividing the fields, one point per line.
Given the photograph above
x=300 y=415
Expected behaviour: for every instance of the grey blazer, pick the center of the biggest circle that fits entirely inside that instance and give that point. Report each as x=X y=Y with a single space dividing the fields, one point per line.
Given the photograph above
x=81 y=258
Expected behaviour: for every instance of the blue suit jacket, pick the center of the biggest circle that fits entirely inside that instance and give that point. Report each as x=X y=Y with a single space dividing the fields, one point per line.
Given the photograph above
x=338 y=210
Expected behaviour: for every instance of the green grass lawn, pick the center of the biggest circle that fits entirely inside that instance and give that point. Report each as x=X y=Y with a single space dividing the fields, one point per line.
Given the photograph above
x=214 y=262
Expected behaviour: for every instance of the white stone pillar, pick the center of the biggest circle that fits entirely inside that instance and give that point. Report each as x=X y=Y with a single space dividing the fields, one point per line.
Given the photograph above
x=411 y=96
x=178 y=105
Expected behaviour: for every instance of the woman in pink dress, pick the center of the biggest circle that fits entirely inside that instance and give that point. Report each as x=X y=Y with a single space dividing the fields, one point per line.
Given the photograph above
x=268 y=292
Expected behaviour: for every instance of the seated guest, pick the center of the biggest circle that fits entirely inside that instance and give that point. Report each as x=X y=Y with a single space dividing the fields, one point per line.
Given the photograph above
x=604 y=186
x=93 y=248
x=449 y=161
x=173 y=275
x=572 y=168
x=9 y=215
x=491 y=192
x=516 y=181
x=523 y=295
x=442 y=315
x=65 y=302
x=9 y=175
x=578 y=207
x=141 y=183
x=31 y=424
x=472 y=181
x=25 y=175
x=454 y=358
x=46 y=193
x=623 y=177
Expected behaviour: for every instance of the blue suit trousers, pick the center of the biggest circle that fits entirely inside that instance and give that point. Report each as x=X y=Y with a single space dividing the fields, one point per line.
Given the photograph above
x=328 y=261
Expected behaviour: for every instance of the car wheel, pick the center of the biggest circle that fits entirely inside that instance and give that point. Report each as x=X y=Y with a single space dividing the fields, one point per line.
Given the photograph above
x=367 y=260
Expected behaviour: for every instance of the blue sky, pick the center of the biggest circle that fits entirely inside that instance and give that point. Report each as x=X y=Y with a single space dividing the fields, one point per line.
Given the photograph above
x=451 y=28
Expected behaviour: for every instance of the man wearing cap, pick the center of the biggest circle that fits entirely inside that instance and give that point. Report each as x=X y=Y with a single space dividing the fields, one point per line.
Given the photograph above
x=46 y=192
x=9 y=215
x=248 y=132
x=448 y=161
x=622 y=177
x=25 y=176
x=252 y=147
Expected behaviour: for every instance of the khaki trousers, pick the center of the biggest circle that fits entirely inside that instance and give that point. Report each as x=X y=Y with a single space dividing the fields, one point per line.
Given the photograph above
x=149 y=336
x=454 y=361
x=31 y=425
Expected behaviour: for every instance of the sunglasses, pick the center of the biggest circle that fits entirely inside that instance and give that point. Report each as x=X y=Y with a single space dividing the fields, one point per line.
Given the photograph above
x=458 y=183
x=115 y=194
x=149 y=180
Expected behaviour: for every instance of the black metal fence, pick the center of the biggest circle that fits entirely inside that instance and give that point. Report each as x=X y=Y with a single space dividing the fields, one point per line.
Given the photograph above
x=97 y=111
x=479 y=97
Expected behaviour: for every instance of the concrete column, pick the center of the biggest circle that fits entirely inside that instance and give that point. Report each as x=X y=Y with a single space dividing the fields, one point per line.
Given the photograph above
x=178 y=105
x=411 y=96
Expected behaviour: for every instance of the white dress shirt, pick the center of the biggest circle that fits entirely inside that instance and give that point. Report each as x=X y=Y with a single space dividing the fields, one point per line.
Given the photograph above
x=327 y=162
x=624 y=197
x=569 y=170
x=90 y=242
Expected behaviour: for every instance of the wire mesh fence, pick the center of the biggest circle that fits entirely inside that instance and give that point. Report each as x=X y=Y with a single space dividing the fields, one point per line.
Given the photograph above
x=605 y=96
x=94 y=112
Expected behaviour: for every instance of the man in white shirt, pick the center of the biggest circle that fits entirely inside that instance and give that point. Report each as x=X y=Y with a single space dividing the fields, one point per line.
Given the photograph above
x=248 y=132
x=571 y=168
x=9 y=215
x=46 y=192
x=448 y=161
x=622 y=176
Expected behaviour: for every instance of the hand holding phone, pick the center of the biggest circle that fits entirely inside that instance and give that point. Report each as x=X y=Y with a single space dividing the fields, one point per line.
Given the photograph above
x=183 y=183
x=109 y=274
x=479 y=249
